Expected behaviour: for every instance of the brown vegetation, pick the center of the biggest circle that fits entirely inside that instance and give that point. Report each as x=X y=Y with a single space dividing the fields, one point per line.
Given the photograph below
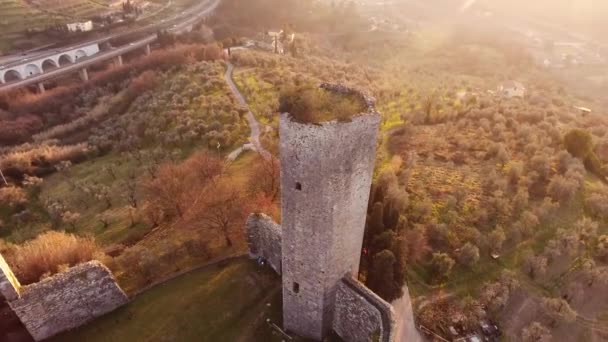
x=48 y=254
x=28 y=113
x=316 y=105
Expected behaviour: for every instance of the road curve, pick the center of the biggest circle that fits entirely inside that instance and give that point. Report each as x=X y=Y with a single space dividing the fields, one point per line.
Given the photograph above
x=254 y=125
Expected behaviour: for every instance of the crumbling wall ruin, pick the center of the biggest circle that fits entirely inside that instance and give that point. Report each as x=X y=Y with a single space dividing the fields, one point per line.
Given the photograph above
x=68 y=300
x=9 y=285
x=264 y=239
x=360 y=315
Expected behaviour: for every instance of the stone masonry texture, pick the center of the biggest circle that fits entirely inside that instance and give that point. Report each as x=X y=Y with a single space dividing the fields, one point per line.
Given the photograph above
x=264 y=239
x=9 y=285
x=360 y=315
x=68 y=300
x=326 y=174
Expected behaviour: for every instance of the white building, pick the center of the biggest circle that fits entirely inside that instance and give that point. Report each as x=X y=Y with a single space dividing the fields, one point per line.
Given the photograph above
x=512 y=89
x=80 y=27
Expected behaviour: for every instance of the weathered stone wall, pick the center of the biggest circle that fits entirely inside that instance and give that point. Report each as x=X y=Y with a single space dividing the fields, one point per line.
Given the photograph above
x=264 y=239
x=360 y=315
x=9 y=285
x=68 y=300
x=326 y=174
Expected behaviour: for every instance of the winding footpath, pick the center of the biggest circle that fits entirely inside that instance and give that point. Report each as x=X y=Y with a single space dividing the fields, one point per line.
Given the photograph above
x=254 y=125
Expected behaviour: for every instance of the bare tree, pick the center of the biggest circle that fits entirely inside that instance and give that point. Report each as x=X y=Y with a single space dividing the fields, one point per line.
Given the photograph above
x=559 y=310
x=536 y=332
x=224 y=211
x=265 y=176
x=593 y=273
x=130 y=185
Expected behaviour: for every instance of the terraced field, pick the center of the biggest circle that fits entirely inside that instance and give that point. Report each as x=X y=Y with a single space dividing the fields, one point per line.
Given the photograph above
x=70 y=9
x=18 y=15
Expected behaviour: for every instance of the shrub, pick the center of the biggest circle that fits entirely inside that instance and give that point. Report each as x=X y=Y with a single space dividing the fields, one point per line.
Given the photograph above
x=535 y=266
x=19 y=130
x=559 y=310
x=12 y=196
x=602 y=247
x=173 y=189
x=579 y=143
x=562 y=189
x=468 y=255
x=496 y=238
x=382 y=276
x=496 y=295
x=48 y=253
x=536 y=332
x=316 y=105
x=442 y=264
x=41 y=157
x=597 y=203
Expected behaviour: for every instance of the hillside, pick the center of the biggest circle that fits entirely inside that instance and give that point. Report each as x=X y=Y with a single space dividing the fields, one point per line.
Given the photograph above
x=17 y=16
x=487 y=206
x=583 y=16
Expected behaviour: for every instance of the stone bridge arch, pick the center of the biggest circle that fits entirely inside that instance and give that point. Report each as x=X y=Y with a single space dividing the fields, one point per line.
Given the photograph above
x=65 y=59
x=48 y=64
x=79 y=54
x=31 y=70
x=12 y=75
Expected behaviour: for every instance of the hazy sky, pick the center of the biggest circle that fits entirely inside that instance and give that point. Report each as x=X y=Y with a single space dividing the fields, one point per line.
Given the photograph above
x=584 y=16
x=579 y=10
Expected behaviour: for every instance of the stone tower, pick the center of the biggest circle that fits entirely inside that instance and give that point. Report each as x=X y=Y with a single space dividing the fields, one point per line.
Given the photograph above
x=326 y=174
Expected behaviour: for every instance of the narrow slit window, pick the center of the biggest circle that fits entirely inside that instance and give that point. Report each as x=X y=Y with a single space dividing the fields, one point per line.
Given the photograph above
x=296 y=287
x=298 y=186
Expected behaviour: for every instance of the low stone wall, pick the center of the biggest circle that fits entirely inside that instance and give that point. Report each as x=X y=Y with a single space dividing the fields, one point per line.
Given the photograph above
x=264 y=237
x=9 y=285
x=360 y=315
x=68 y=300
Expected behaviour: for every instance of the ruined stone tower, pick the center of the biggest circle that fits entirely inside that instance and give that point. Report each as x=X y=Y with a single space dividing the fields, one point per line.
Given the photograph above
x=326 y=174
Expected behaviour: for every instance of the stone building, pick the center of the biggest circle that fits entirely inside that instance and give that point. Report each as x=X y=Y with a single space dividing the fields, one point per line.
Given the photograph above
x=511 y=89
x=326 y=175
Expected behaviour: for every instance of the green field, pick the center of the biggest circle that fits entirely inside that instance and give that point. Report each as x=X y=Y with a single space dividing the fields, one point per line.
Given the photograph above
x=18 y=15
x=229 y=302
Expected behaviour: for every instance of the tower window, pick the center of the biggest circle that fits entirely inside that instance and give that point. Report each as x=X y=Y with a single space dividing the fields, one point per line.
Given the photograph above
x=296 y=287
x=298 y=186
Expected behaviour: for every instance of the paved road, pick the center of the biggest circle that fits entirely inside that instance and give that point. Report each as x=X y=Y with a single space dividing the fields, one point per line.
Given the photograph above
x=254 y=125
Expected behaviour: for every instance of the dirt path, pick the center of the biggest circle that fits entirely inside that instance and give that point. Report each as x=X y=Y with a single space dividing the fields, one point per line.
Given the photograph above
x=254 y=125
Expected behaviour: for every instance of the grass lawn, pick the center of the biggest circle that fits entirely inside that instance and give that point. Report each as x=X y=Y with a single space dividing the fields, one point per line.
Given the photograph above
x=226 y=302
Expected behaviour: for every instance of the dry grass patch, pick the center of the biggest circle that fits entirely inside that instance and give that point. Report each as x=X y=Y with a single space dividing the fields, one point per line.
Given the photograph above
x=50 y=253
x=316 y=105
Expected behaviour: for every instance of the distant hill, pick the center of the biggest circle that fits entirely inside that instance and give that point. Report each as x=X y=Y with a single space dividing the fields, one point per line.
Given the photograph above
x=584 y=16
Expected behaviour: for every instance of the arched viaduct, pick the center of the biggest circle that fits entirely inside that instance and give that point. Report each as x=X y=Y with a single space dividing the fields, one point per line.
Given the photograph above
x=25 y=68
x=48 y=65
